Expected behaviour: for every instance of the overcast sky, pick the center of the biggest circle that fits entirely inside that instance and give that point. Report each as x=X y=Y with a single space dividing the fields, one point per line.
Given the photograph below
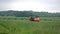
x=35 y=5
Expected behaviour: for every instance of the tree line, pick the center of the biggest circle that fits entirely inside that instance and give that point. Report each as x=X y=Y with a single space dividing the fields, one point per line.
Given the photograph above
x=28 y=13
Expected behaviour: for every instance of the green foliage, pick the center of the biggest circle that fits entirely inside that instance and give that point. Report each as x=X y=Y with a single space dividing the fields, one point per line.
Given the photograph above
x=28 y=13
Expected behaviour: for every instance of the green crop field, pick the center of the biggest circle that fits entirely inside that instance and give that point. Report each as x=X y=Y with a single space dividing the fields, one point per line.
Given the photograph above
x=21 y=25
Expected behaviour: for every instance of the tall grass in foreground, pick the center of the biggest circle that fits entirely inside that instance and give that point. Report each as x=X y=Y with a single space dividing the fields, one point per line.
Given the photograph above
x=21 y=25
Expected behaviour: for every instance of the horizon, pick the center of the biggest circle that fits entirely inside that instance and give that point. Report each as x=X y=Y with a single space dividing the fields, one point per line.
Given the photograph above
x=29 y=10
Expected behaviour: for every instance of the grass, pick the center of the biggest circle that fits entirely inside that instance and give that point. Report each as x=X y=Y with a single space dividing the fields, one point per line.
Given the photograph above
x=21 y=25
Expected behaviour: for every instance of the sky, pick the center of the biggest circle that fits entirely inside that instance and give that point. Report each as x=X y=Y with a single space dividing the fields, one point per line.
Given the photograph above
x=34 y=5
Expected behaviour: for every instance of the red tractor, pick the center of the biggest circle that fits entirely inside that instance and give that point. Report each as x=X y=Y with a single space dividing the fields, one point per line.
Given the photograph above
x=32 y=18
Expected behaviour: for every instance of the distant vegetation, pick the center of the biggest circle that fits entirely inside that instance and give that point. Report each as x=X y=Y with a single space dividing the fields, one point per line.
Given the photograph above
x=28 y=13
